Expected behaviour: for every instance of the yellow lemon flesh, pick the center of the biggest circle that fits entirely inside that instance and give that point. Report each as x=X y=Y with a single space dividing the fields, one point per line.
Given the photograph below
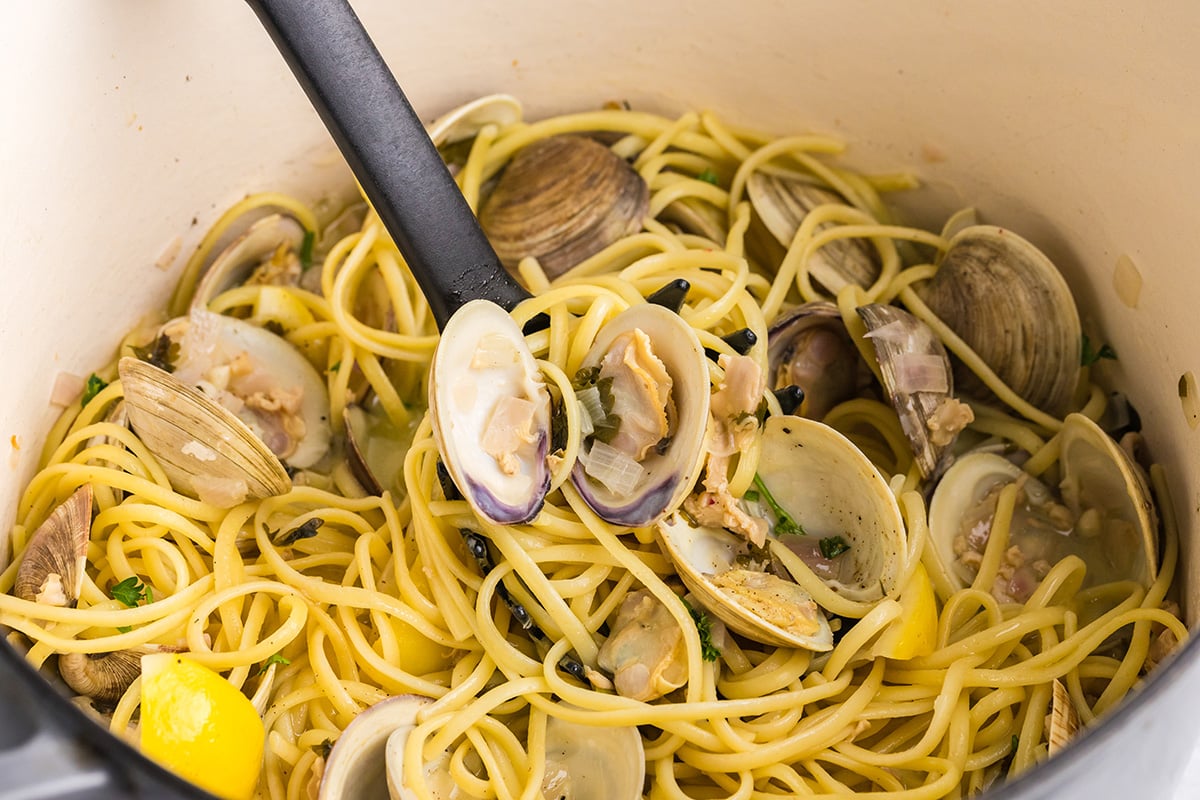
x=915 y=632
x=196 y=724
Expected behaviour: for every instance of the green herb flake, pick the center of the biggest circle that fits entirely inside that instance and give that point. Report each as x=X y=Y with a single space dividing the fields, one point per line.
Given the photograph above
x=305 y=531
x=708 y=650
x=273 y=659
x=131 y=592
x=1015 y=743
x=833 y=546
x=306 y=250
x=323 y=748
x=1090 y=356
x=124 y=628
x=751 y=496
x=708 y=176
x=163 y=352
x=94 y=386
x=334 y=368
x=785 y=524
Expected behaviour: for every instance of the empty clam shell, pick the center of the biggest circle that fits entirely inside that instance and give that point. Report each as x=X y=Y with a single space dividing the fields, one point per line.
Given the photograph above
x=52 y=565
x=783 y=202
x=466 y=120
x=665 y=472
x=271 y=243
x=562 y=199
x=593 y=762
x=919 y=381
x=357 y=767
x=830 y=488
x=1011 y=305
x=375 y=448
x=491 y=413
x=1063 y=720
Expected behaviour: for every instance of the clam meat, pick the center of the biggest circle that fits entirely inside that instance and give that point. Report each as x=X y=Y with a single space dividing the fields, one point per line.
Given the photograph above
x=267 y=254
x=491 y=413
x=237 y=403
x=1104 y=514
x=810 y=348
x=645 y=652
x=645 y=390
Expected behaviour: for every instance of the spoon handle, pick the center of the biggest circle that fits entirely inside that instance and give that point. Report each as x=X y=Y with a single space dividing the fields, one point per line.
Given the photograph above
x=387 y=148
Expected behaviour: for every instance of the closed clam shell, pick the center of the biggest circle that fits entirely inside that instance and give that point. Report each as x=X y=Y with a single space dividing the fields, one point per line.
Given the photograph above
x=783 y=202
x=562 y=199
x=1011 y=305
x=106 y=676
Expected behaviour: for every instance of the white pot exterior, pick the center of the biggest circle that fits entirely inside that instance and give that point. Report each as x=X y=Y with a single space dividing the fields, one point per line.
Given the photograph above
x=128 y=124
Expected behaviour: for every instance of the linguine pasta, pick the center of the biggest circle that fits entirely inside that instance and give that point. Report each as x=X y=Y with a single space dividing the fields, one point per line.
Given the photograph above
x=386 y=599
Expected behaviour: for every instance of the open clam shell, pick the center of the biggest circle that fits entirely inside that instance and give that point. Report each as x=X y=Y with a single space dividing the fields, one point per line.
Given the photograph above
x=590 y=762
x=491 y=413
x=810 y=348
x=268 y=248
x=1106 y=515
x=918 y=378
x=562 y=199
x=240 y=400
x=667 y=471
x=52 y=565
x=466 y=120
x=830 y=488
x=772 y=611
x=783 y=202
x=357 y=767
x=1009 y=302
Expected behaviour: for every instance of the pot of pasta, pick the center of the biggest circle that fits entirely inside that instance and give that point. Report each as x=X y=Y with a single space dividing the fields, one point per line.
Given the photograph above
x=840 y=440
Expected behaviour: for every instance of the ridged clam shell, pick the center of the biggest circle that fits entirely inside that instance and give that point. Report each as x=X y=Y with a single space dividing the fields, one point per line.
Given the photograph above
x=57 y=548
x=562 y=199
x=1006 y=300
x=106 y=676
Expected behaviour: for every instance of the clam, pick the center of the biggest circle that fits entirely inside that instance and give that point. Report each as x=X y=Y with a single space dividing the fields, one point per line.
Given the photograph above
x=647 y=448
x=267 y=253
x=240 y=400
x=562 y=199
x=465 y=121
x=830 y=489
x=645 y=651
x=783 y=202
x=1063 y=720
x=919 y=381
x=105 y=677
x=357 y=767
x=52 y=565
x=375 y=448
x=758 y=605
x=582 y=761
x=1104 y=515
x=810 y=348
x=491 y=413
x=1011 y=305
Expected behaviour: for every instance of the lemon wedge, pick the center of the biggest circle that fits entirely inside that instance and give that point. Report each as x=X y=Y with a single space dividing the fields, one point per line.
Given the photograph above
x=914 y=633
x=196 y=724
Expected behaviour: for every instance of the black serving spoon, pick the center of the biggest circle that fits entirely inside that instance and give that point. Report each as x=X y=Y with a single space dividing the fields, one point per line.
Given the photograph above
x=386 y=146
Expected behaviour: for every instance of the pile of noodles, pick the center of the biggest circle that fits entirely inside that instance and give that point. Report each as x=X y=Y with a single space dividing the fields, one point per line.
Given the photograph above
x=387 y=577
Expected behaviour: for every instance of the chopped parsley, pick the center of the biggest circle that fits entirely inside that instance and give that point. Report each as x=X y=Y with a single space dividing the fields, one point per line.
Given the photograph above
x=605 y=429
x=1015 y=742
x=1091 y=356
x=162 y=353
x=833 y=546
x=306 y=250
x=94 y=386
x=750 y=496
x=124 y=628
x=131 y=592
x=273 y=659
x=708 y=650
x=323 y=748
x=335 y=367
x=708 y=176
x=784 y=522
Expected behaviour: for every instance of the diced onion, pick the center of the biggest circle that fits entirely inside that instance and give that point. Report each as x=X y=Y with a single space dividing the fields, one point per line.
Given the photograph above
x=897 y=332
x=589 y=398
x=619 y=473
x=920 y=372
x=586 y=426
x=67 y=389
